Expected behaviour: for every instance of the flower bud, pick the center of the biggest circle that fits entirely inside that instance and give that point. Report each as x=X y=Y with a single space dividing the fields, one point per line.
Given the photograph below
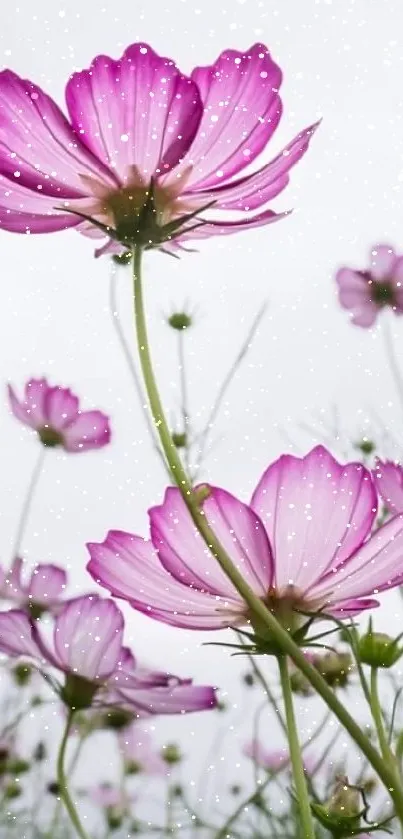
x=132 y=767
x=335 y=667
x=365 y=446
x=124 y=258
x=116 y=719
x=114 y=817
x=22 y=674
x=53 y=788
x=12 y=790
x=180 y=321
x=299 y=683
x=179 y=439
x=248 y=680
x=39 y=752
x=171 y=753
x=342 y=813
x=378 y=649
x=17 y=766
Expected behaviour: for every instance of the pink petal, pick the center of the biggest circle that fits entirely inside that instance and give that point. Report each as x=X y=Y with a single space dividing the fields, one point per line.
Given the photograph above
x=376 y=566
x=61 y=407
x=25 y=211
x=184 y=554
x=30 y=410
x=47 y=584
x=211 y=227
x=16 y=635
x=351 y=608
x=129 y=567
x=91 y=430
x=388 y=479
x=355 y=296
x=138 y=745
x=316 y=513
x=254 y=190
x=88 y=637
x=268 y=759
x=37 y=142
x=242 y=109
x=383 y=259
x=137 y=111
x=182 y=699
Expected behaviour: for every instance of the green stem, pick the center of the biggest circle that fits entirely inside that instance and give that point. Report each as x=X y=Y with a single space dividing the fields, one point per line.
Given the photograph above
x=280 y=636
x=26 y=507
x=62 y=781
x=295 y=752
x=376 y=710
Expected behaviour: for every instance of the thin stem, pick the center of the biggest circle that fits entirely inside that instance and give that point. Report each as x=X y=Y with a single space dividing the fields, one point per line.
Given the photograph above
x=26 y=507
x=392 y=359
x=205 y=435
x=256 y=606
x=295 y=752
x=62 y=782
x=378 y=719
x=184 y=394
x=128 y=355
x=265 y=685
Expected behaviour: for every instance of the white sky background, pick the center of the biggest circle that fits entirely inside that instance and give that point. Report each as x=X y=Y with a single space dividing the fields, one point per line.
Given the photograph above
x=342 y=61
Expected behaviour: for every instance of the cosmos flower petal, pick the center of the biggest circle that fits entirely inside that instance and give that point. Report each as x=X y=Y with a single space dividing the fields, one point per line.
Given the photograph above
x=138 y=111
x=60 y=407
x=354 y=295
x=16 y=638
x=180 y=699
x=31 y=409
x=47 y=584
x=129 y=567
x=388 y=477
x=90 y=430
x=252 y=191
x=38 y=147
x=88 y=637
x=218 y=227
x=383 y=260
x=184 y=554
x=316 y=513
x=376 y=566
x=242 y=109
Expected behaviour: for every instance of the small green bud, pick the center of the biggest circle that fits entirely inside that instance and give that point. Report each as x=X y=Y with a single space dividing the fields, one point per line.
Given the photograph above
x=17 y=766
x=133 y=767
x=335 y=667
x=135 y=828
x=36 y=701
x=180 y=320
x=114 y=817
x=39 y=752
x=12 y=790
x=177 y=791
x=248 y=680
x=179 y=439
x=22 y=674
x=365 y=446
x=378 y=649
x=299 y=684
x=117 y=719
x=122 y=258
x=53 y=788
x=171 y=753
x=342 y=813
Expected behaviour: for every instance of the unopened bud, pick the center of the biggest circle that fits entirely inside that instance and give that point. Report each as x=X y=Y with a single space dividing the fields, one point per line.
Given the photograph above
x=179 y=439
x=365 y=446
x=342 y=813
x=378 y=649
x=180 y=320
x=122 y=258
x=22 y=674
x=12 y=790
x=114 y=817
x=335 y=667
x=171 y=753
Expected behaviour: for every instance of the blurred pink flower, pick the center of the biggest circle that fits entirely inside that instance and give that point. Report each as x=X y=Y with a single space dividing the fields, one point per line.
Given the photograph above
x=42 y=590
x=271 y=759
x=139 y=750
x=108 y=796
x=388 y=477
x=138 y=121
x=55 y=415
x=87 y=647
x=303 y=544
x=365 y=293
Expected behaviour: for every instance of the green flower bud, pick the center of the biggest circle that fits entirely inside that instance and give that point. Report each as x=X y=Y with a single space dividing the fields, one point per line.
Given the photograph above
x=22 y=674
x=132 y=767
x=117 y=719
x=122 y=258
x=179 y=439
x=340 y=815
x=17 y=766
x=365 y=446
x=335 y=667
x=378 y=649
x=114 y=817
x=171 y=753
x=177 y=791
x=299 y=684
x=180 y=320
x=53 y=788
x=36 y=701
x=39 y=752
x=12 y=790
x=78 y=693
x=248 y=680
x=221 y=706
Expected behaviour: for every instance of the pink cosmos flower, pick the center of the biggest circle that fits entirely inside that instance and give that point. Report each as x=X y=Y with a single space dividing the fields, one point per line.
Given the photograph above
x=87 y=648
x=304 y=544
x=143 y=146
x=139 y=750
x=273 y=760
x=107 y=796
x=365 y=293
x=388 y=477
x=42 y=590
x=55 y=415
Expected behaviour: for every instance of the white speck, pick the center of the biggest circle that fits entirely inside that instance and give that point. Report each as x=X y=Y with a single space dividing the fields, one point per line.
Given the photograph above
x=124 y=138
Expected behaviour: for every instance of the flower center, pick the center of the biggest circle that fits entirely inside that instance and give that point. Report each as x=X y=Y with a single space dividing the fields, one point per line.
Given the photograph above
x=50 y=437
x=383 y=294
x=289 y=607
